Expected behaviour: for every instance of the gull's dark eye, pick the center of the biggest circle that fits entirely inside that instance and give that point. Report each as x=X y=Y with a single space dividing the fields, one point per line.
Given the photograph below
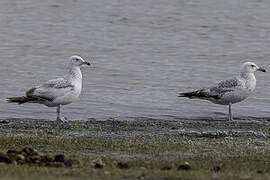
x=252 y=65
x=77 y=59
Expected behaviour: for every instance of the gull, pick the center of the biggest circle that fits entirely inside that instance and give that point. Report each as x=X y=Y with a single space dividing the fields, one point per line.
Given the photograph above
x=57 y=92
x=228 y=92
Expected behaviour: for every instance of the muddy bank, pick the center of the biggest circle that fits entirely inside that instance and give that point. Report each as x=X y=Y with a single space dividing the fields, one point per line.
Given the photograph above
x=241 y=129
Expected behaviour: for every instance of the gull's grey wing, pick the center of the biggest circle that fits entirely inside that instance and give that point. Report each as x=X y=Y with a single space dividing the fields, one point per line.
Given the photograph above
x=56 y=83
x=215 y=92
x=51 y=89
x=225 y=86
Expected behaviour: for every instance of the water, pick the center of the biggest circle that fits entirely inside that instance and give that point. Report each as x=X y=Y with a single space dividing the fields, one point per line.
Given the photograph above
x=143 y=53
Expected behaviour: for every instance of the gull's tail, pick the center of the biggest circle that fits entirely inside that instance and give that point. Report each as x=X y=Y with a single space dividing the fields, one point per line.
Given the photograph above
x=194 y=94
x=200 y=94
x=19 y=100
x=23 y=99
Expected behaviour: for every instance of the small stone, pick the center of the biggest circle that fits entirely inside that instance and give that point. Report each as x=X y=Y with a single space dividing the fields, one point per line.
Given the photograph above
x=4 y=122
x=166 y=168
x=98 y=163
x=259 y=171
x=12 y=157
x=29 y=151
x=59 y=158
x=122 y=165
x=184 y=166
x=4 y=158
x=33 y=159
x=20 y=157
x=13 y=152
x=216 y=168
x=46 y=160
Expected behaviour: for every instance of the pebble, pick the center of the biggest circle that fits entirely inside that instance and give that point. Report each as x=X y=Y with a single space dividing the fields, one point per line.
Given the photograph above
x=184 y=166
x=31 y=156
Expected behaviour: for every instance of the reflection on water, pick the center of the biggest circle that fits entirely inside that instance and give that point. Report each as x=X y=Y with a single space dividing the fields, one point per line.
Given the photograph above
x=144 y=53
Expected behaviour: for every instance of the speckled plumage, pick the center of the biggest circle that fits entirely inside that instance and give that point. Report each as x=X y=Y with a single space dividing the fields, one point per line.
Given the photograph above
x=229 y=91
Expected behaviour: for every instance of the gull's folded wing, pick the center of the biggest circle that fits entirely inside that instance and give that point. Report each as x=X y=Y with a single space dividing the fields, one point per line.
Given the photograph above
x=51 y=89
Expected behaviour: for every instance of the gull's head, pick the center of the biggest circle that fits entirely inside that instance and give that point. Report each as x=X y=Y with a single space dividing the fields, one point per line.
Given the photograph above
x=250 y=67
x=77 y=61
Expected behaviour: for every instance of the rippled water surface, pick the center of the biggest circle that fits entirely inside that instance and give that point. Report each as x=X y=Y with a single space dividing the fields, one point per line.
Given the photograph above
x=143 y=53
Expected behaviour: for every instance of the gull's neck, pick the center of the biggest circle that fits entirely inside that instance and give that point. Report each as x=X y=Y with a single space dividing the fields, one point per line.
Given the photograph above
x=247 y=75
x=74 y=74
x=250 y=80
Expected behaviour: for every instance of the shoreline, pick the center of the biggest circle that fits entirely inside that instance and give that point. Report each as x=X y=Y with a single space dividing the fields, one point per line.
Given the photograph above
x=191 y=128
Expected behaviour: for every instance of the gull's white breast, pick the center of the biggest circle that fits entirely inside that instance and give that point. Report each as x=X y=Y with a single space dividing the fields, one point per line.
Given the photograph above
x=71 y=95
